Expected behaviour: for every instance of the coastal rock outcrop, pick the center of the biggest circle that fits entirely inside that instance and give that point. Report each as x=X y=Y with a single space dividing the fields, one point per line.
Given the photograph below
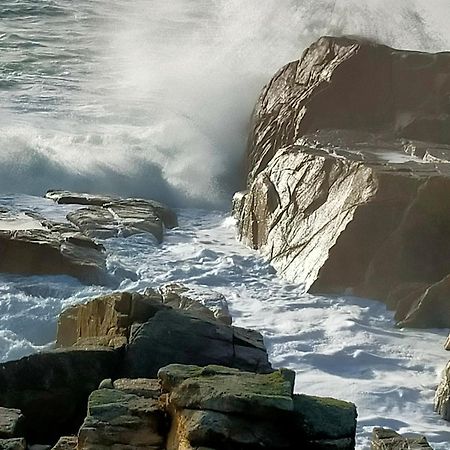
x=105 y=216
x=184 y=332
x=349 y=175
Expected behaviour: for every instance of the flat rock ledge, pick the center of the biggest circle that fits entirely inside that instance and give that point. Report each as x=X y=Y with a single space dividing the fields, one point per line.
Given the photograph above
x=349 y=176
x=33 y=245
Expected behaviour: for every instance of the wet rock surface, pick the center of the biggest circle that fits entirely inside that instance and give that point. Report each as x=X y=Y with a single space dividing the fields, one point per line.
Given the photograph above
x=11 y=422
x=106 y=217
x=442 y=397
x=33 y=245
x=386 y=439
x=348 y=176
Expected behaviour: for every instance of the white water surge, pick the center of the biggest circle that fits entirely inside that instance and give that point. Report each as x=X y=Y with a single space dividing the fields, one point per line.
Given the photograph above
x=153 y=98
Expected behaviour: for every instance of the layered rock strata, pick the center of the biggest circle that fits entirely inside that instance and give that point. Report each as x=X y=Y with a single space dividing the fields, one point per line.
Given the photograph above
x=216 y=408
x=33 y=245
x=106 y=216
x=348 y=176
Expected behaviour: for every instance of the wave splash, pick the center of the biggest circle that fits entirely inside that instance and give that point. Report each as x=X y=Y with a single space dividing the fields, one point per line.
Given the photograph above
x=153 y=98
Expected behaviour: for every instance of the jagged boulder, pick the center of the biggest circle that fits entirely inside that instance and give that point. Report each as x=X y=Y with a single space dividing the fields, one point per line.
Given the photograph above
x=341 y=193
x=106 y=320
x=442 y=397
x=106 y=216
x=386 y=439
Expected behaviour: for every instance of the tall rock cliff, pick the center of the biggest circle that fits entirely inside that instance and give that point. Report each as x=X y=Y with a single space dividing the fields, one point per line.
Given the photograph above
x=349 y=176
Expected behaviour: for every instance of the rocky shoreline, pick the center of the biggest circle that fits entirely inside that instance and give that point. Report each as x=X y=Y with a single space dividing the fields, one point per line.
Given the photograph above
x=347 y=188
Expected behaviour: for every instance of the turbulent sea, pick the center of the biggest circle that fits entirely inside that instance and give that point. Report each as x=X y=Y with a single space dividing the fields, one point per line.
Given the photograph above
x=152 y=98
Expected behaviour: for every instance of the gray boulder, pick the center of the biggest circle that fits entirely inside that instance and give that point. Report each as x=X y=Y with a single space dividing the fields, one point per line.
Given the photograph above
x=175 y=337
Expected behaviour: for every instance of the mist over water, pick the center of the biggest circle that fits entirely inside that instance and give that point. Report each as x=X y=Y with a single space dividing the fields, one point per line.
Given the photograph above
x=152 y=97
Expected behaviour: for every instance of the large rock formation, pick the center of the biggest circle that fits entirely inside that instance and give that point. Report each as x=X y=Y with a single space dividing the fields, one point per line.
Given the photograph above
x=221 y=408
x=349 y=175
x=147 y=325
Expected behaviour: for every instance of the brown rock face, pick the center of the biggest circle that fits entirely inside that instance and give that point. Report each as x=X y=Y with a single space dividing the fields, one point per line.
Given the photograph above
x=342 y=195
x=386 y=439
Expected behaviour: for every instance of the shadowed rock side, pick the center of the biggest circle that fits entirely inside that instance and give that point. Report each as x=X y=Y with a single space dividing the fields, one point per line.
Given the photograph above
x=342 y=194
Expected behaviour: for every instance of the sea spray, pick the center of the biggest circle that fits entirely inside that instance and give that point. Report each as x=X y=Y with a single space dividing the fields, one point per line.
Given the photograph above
x=153 y=98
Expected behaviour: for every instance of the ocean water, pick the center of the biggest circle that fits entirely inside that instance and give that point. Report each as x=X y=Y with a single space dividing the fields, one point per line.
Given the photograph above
x=153 y=98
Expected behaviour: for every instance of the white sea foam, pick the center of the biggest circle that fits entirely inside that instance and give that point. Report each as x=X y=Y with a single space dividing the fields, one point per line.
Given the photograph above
x=341 y=347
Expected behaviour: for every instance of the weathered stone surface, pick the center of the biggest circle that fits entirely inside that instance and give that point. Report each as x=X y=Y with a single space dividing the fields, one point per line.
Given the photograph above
x=66 y=443
x=122 y=421
x=326 y=419
x=143 y=387
x=106 y=216
x=174 y=337
x=442 y=397
x=341 y=194
x=11 y=423
x=200 y=302
x=246 y=393
x=13 y=444
x=106 y=320
x=51 y=389
x=223 y=408
x=386 y=439
x=33 y=245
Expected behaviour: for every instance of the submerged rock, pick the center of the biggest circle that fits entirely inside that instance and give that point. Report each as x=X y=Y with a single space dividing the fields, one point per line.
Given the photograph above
x=349 y=175
x=386 y=439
